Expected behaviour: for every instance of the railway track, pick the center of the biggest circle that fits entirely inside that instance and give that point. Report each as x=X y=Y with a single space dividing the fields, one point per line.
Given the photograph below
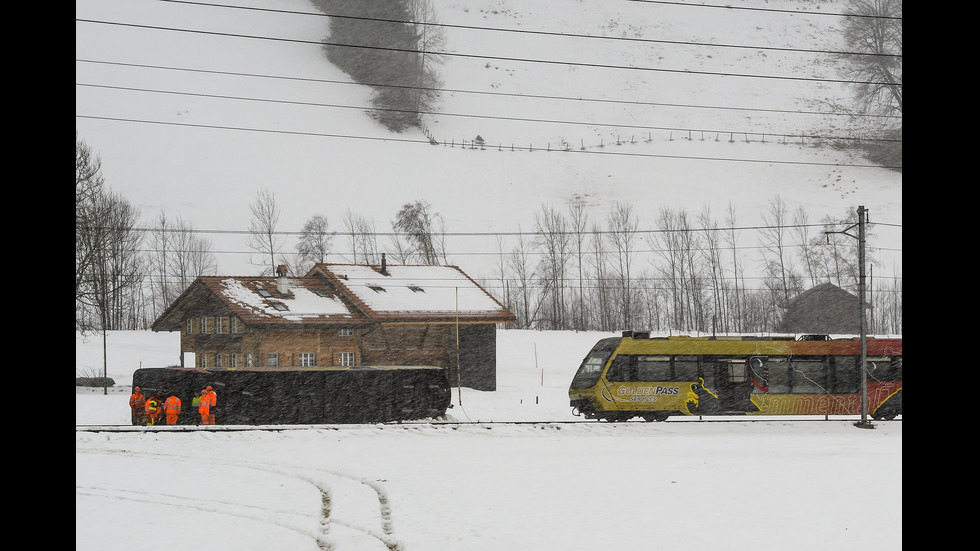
x=455 y=425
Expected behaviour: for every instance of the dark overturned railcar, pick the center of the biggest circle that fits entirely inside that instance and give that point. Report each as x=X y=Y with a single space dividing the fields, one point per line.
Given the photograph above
x=305 y=395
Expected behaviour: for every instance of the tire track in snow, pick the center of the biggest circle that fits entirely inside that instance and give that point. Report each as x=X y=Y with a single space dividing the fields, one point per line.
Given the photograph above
x=204 y=505
x=328 y=515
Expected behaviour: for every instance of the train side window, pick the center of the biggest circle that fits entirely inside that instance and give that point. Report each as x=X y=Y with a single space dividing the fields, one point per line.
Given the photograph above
x=778 y=376
x=846 y=375
x=736 y=371
x=622 y=369
x=685 y=368
x=885 y=368
x=808 y=375
x=653 y=368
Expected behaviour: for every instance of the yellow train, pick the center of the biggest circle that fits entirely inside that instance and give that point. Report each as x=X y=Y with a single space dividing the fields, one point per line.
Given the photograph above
x=653 y=378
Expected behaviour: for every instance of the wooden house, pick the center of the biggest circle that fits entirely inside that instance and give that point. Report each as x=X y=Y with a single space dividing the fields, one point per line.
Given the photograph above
x=341 y=315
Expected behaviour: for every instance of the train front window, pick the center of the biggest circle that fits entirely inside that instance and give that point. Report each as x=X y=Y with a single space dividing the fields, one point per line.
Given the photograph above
x=588 y=373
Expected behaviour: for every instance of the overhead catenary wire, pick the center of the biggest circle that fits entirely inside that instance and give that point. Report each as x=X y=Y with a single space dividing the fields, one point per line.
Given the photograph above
x=489 y=117
x=566 y=34
x=487 y=57
x=524 y=95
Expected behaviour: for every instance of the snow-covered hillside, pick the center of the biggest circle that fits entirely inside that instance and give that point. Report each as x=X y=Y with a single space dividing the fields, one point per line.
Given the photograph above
x=195 y=108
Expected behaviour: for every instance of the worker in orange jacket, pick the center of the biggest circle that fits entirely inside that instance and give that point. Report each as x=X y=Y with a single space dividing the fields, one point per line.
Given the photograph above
x=171 y=408
x=207 y=407
x=212 y=399
x=137 y=402
x=153 y=409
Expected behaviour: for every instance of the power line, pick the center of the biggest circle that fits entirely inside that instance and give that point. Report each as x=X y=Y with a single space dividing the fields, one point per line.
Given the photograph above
x=565 y=34
x=467 y=115
x=511 y=233
x=486 y=57
x=486 y=93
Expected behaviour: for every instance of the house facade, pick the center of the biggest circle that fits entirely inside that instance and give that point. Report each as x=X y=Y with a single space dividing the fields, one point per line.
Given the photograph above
x=341 y=315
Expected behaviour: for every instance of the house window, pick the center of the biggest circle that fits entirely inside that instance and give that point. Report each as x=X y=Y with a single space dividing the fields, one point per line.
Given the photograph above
x=278 y=305
x=248 y=360
x=347 y=359
x=273 y=360
x=204 y=360
x=224 y=325
x=307 y=359
x=348 y=332
x=234 y=360
x=190 y=326
x=263 y=292
x=236 y=326
x=205 y=324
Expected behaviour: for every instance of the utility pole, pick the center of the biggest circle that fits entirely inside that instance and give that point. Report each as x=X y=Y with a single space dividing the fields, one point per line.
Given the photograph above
x=862 y=216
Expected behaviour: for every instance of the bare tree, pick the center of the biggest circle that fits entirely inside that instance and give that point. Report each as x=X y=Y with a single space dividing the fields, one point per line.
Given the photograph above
x=804 y=241
x=601 y=303
x=780 y=278
x=422 y=228
x=673 y=270
x=263 y=238
x=873 y=28
x=431 y=40
x=731 y=239
x=526 y=305
x=623 y=227
x=363 y=238
x=553 y=238
x=108 y=268
x=714 y=268
x=89 y=214
x=177 y=256
x=578 y=223
x=314 y=242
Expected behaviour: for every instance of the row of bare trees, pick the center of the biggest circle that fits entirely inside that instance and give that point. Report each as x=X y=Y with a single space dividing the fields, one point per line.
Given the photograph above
x=417 y=237
x=686 y=274
x=124 y=275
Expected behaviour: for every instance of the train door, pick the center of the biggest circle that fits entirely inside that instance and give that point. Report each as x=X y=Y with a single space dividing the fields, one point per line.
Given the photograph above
x=733 y=385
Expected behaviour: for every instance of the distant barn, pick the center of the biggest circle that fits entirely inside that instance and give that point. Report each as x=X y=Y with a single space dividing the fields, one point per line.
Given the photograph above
x=824 y=309
x=342 y=315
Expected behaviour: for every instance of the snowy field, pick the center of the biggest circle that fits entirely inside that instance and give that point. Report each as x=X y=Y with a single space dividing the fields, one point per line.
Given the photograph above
x=781 y=484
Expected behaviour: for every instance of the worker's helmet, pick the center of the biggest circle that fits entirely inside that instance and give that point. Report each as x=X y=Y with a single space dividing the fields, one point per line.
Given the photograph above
x=208 y=388
x=137 y=389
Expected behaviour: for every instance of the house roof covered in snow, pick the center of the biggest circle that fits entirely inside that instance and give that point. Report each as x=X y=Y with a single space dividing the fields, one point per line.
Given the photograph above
x=413 y=293
x=260 y=301
x=339 y=294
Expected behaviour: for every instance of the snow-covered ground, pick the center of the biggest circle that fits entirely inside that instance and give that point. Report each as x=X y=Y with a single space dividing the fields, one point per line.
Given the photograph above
x=775 y=484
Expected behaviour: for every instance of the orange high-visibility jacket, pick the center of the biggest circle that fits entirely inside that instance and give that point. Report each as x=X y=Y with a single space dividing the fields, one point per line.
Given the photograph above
x=172 y=406
x=137 y=400
x=212 y=399
x=152 y=407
